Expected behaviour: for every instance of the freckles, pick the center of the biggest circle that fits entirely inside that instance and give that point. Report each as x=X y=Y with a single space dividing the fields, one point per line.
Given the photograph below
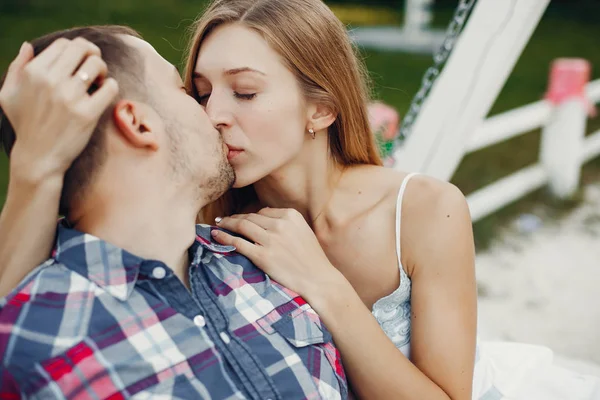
x=270 y=106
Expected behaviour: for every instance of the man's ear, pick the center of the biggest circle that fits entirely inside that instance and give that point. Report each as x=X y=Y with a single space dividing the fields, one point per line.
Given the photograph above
x=320 y=117
x=134 y=125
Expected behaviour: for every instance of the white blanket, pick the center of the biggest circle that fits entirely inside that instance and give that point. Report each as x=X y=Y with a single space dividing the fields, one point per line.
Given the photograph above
x=516 y=371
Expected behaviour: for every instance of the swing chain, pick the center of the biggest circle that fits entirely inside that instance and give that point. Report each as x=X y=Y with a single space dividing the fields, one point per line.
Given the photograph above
x=439 y=59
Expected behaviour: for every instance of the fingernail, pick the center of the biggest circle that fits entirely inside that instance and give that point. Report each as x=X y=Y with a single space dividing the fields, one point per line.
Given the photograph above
x=214 y=233
x=23 y=47
x=218 y=220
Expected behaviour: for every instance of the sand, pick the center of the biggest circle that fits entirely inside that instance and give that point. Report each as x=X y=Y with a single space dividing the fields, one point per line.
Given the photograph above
x=543 y=286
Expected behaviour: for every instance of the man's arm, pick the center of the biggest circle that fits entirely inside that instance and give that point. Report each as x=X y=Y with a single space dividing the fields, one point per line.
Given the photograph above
x=53 y=117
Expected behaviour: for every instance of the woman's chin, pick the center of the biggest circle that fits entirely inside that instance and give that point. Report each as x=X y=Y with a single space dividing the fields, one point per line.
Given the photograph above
x=241 y=181
x=244 y=179
x=237 y=186
x=250 y=174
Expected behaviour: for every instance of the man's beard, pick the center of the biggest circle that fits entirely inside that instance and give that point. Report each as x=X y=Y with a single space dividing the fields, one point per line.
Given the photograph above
x=213 y=180
x=178 y=159
x=221 y=182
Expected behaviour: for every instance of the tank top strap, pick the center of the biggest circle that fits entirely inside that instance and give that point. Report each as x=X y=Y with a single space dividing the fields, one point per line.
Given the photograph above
x=399 y=218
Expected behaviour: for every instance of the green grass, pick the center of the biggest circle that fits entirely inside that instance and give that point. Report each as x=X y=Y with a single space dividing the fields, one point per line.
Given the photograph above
x=562 y=33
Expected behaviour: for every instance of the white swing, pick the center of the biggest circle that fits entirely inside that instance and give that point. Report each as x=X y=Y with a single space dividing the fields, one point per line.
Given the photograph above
x=447 y=118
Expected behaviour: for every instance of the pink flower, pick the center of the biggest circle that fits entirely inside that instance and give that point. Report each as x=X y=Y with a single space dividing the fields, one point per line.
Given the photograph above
x=384 y=120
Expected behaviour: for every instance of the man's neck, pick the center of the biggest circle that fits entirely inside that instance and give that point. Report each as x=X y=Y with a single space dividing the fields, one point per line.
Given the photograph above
x=144 y=226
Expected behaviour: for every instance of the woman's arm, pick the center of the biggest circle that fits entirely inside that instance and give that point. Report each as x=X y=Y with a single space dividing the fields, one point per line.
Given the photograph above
x=443 y=298
x=53 y=118
x=27 y=225
x=441 y=262
x=443 y=302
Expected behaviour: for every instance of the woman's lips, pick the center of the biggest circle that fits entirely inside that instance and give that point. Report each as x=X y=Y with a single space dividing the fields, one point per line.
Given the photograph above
x=233 y=152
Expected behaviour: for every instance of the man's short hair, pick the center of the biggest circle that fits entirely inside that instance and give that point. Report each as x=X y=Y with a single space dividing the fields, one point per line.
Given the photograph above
x=126 y=65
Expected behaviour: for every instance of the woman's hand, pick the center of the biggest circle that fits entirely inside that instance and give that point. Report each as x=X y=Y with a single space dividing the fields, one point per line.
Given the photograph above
x=281 y=243
x=46 y=101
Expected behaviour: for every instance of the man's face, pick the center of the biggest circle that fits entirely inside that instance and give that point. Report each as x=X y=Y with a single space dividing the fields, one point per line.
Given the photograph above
x=196 y=149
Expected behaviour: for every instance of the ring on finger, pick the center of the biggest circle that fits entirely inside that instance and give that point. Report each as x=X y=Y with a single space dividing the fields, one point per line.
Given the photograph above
x=84 y=76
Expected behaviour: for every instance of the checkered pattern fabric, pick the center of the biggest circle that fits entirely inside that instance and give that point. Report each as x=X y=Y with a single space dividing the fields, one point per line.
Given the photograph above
x=97 y=322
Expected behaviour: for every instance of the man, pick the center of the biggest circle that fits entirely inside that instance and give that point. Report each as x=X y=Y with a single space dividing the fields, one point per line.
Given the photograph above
x=136 y=300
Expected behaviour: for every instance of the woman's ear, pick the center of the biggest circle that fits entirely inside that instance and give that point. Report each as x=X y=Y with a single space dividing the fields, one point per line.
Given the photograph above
x=133 y=124
x=320 y=117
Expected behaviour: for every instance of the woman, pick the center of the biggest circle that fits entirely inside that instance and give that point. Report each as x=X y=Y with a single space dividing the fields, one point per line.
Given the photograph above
x=269 y=75
x=280 y=80
x=299 y=139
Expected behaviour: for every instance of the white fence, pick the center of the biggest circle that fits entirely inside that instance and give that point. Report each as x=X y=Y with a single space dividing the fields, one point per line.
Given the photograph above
x=452 y=120
x=563 y=150
x=463 y=94
x=416 y=35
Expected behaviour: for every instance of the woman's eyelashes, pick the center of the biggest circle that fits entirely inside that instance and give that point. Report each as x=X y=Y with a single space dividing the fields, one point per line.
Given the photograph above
x=203 y=98
x=244 y=96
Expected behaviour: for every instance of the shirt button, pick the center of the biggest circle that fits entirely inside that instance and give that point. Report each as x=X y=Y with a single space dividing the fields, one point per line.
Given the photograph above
x=159 y=272
x=225 y=338
x=200 y=321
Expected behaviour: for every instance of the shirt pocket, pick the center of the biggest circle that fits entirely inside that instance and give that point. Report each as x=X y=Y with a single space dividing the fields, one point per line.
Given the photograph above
x=300 y=327
x=303 y=330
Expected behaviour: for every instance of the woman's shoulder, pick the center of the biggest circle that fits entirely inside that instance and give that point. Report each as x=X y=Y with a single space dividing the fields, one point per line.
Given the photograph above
x=422 y=193
x=429 y=195
x=434 y=214
x=431 y=209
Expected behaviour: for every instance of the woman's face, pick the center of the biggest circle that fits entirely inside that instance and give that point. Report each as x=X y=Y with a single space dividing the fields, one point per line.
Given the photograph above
x=253 y=99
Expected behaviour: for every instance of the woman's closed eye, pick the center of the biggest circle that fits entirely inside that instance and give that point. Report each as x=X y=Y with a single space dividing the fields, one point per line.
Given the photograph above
x=244 y=96
x=203 y=99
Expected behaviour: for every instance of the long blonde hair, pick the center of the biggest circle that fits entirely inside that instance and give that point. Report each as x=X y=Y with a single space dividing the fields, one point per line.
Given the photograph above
x=317 y=49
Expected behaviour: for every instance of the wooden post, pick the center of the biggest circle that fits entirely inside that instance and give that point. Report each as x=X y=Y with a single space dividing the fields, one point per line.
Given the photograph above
x=414 y=36
x=483 y=57
x=563 y=136
x=417 y=16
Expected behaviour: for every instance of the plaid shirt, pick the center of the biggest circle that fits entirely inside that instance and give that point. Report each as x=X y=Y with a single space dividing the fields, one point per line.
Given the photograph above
x=96 y=322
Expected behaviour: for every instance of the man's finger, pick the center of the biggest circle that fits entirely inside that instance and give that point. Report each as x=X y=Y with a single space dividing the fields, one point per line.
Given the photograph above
x=77 y=52
x=16 y=66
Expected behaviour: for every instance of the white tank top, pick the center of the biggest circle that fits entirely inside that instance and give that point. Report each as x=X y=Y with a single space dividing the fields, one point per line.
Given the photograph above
x=393 y=311
x=502 y=370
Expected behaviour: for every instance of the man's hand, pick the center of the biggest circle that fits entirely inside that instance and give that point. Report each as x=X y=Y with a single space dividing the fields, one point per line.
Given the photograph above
x=47 y=102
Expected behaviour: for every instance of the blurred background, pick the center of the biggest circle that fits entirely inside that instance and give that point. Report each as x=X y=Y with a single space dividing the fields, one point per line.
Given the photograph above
x=522 y=297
